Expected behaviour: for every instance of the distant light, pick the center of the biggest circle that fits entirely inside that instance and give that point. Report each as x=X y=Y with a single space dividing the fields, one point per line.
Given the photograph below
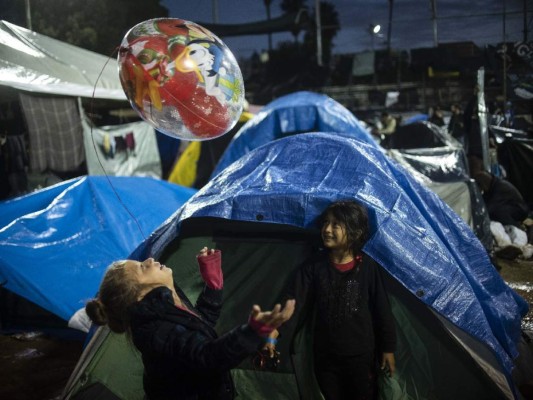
x=376 y=28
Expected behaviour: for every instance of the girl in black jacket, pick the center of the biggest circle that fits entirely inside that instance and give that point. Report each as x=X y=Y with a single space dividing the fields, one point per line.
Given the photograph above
x=183 y=356
x=353 y=316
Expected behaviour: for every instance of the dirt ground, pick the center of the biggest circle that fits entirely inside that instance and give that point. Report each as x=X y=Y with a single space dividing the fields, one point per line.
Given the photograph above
x=519 y=276
x=38 y=368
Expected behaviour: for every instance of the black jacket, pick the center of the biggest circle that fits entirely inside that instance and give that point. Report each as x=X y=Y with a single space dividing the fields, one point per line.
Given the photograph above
x=182 y=354
x=505 y=203
x=353 y=310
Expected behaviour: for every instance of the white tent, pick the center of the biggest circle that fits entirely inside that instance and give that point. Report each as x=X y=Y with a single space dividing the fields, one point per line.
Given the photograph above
x=33 y=62
x=37 y=65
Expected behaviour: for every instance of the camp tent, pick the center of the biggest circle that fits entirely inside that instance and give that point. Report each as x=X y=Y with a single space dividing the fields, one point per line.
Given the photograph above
x=439 y=162
x=515 y=155
x=292 y=114
x=56 y=243
x=431 y=155
x=458 y=322
x=49 y=83
x=37 y=63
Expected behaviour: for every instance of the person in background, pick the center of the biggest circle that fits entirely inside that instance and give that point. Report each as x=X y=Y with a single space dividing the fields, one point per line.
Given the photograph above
x=456 y=126
x=437 y=117
x=388 y=127
x=354 y=321
x=507 y=211
x=182 y=354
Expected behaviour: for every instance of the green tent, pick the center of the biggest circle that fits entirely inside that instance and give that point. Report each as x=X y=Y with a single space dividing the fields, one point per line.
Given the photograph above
x=435 y=360
x=458 y=323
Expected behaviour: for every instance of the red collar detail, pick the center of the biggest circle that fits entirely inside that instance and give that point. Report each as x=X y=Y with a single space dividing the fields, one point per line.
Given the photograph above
x=349 y=265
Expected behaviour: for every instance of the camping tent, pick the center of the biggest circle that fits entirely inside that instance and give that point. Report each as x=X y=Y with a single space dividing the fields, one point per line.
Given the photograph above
x=291 y=114
x=37 y=63
x=438 y=161
x=458 y=322
x=56 y=243
x=431 y=155
x=42 y=78
x=515 y=155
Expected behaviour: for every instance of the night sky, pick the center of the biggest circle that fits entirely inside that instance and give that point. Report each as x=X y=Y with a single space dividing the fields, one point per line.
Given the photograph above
x=480 y=21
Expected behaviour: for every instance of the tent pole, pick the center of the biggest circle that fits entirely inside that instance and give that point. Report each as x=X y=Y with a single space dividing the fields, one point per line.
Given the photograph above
x=28 y=14
x=504 y=40
x=434 y=18
x=482 y=119
x=318 y=33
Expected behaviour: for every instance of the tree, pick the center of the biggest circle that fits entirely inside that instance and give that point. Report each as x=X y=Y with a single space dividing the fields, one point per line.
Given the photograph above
x=293 y=6
x=330 y=27
x=97 y=25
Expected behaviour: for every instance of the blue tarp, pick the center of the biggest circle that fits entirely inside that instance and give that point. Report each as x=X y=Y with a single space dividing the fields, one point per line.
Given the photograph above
x=292 y=114
x=417 y=238
x=55 y=244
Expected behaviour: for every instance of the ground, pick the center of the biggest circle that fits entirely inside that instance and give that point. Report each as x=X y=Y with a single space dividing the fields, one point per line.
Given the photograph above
x=38 y=368
x=519 y=275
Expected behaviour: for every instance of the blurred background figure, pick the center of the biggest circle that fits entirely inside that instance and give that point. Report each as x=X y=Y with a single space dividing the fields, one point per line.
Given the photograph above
x=456 y=126
x=386 y=127
x=508 y=213
x=437 y=117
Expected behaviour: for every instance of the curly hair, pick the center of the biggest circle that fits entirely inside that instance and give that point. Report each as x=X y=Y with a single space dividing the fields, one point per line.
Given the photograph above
x=118 y=291
x=354 y=217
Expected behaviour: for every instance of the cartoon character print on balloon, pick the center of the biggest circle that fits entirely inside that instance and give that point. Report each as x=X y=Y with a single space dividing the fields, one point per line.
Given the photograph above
x=181 y=78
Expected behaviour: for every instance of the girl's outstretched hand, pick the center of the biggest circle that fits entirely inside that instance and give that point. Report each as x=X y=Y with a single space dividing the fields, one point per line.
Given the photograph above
x=276 y=317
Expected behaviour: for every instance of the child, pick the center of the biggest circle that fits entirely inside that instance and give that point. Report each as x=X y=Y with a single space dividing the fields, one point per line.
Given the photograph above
x=354 y=320
x=183 y=356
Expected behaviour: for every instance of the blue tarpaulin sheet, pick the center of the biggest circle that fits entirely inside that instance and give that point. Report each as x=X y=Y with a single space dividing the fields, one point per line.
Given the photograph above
x=415 y=236
x=55 y=244
x=292 y=114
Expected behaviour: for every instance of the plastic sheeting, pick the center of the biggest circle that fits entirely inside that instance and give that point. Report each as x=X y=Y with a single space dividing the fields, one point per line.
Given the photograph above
x=132 y=149
x=516 y=156
x=437 y=160
x=294 y=113
x=415 y=236
x=37 y=63
x=55 y=244
x=421 y=134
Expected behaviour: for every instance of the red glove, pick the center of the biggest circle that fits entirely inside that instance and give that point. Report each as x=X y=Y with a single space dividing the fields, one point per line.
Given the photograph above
x=210 y=262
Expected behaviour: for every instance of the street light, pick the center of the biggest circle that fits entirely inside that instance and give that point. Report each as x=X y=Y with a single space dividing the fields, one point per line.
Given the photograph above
x=373 y=30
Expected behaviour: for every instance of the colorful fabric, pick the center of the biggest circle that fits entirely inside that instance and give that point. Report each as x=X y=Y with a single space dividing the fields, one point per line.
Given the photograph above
x=184 y=172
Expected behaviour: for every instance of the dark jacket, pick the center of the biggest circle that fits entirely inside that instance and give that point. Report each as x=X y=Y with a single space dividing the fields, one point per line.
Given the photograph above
x=353 y=310
x=505 y=203
x=182 y=354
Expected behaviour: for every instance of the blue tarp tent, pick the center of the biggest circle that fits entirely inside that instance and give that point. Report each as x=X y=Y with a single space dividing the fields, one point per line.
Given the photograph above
x=291 y=114
x=56 y=243
x=418 y=239
x=279 y=189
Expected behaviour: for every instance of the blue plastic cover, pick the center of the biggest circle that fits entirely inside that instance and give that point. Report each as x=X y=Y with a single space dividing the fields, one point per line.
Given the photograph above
x=55 y=244
x=415 y=118
x=415 y=236
x=294 y=113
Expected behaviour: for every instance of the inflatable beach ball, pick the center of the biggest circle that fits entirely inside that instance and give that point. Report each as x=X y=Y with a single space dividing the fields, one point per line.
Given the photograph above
x=181 y=78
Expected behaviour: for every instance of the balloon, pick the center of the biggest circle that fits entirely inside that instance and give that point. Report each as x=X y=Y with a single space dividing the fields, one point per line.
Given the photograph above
x=181 y=78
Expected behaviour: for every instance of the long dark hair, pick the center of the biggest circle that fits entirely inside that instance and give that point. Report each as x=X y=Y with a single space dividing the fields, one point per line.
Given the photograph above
x=354 y=217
